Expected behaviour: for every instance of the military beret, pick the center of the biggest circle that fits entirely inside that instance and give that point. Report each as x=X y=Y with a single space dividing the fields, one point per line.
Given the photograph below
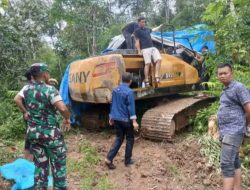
x=38 y=68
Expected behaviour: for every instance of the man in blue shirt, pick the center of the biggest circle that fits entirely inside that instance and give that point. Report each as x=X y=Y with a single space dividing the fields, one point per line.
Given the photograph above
x=122 y=116
x=233 y=112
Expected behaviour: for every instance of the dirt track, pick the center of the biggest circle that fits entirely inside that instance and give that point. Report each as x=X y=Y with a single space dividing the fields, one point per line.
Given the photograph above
x=159 y=166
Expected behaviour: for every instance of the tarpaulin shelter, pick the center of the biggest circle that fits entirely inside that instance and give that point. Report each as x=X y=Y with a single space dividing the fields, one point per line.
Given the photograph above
x=193 y=38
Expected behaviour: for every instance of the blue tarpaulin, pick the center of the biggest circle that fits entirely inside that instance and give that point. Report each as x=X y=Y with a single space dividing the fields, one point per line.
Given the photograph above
x=194 y=37
x=64 y=87
x=75 y=108
x=22 y=172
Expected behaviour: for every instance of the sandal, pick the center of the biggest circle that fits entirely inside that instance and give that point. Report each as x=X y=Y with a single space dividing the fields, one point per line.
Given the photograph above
x=157 y=79
x=110 y=164
x=147 y=84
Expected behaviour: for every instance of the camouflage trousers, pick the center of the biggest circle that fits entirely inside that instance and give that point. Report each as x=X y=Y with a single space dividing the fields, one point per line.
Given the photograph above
x=51 y=153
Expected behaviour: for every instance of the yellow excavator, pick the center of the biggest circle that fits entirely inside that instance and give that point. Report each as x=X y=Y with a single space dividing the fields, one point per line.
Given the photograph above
x=91 y=81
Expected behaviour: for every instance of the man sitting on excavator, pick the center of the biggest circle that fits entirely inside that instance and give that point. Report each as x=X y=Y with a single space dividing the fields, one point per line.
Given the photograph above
x=144 y=45
x=203 y=73
x=198 y=61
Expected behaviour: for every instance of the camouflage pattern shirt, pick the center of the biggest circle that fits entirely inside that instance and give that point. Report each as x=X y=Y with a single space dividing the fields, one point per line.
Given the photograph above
x=43 y=122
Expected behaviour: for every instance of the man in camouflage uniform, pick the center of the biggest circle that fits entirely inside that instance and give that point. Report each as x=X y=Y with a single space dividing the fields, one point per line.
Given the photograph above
x=44 y=133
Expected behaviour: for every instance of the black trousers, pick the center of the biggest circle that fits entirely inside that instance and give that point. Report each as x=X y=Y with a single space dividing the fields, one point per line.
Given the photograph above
x=27 y=144
x=123 y=129
x=129 y=40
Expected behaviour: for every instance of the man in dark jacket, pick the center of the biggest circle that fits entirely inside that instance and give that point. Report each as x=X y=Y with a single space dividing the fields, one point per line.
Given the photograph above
x=127 y=32
x=123 y=117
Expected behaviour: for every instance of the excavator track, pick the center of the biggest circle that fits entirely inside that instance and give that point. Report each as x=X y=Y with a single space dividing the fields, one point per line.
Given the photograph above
x=161 y=122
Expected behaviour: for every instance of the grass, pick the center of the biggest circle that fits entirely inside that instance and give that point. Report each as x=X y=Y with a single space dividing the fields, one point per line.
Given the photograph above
x=211 y=150
x=104 y=184
x=94 y=181
x=75 y=166
x=171 y=168
x=83 y=168
x=90 y=155
x=10 y=150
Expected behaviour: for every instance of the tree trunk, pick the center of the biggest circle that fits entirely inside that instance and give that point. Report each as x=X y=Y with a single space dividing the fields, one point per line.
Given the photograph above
x=167 y=11
x=32 y=49
x=232 y=7
x=87 y=39
x=94 y=33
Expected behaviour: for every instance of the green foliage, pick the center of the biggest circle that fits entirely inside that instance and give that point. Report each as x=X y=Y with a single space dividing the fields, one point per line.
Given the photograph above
x=135 y=7
x=84 y=168
x=230 y=20
x=21 y=27
x=91 y=181
x=108 y=34
x=189 y=12
x=210 y=148
x=47 y=55
x=10 y=150
x=85 y=22
x=202 y=116
x=87 y=181
x=104 y=184
x=242 y=74
x=90 y=154
x=12 y=125
x=246 y=157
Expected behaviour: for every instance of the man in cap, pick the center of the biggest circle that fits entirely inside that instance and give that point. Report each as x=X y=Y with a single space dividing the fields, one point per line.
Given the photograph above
x=19 y=100
x=46 y=138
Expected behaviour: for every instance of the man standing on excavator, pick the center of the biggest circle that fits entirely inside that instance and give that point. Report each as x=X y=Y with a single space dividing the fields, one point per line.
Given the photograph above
x=128 y=32
x=144 y=45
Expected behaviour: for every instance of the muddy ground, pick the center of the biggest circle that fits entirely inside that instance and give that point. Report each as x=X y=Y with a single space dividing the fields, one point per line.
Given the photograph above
x=159 y=165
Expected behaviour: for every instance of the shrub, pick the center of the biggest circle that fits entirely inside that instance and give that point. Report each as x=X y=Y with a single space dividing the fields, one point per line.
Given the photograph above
x=202 y=116
x=12 y=125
